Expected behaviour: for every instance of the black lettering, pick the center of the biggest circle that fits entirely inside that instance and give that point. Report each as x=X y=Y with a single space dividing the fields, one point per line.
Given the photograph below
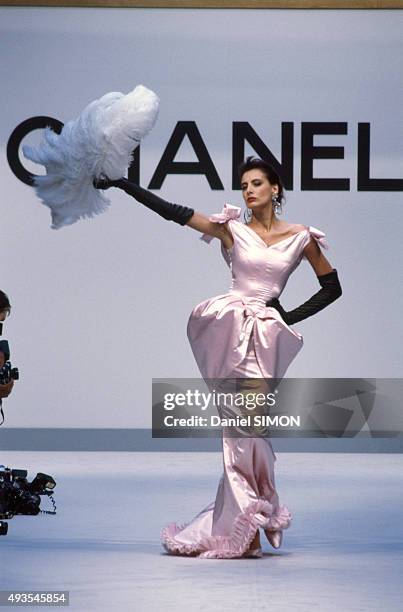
x=134 y=168
x=18 y=135
x=309 y=152
x=364 y=182
x=242 y=131
x=167 y=165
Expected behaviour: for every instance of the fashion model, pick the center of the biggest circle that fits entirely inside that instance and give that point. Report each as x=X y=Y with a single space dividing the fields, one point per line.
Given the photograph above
x=245 y=333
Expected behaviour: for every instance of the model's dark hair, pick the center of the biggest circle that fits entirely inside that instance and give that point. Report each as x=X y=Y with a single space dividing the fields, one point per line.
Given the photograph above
x=4 y=302
x=253 y=163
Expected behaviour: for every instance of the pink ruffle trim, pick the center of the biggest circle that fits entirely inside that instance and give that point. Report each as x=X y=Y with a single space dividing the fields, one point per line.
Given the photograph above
x=319 y=236
x=258 y=514
x=228 y=213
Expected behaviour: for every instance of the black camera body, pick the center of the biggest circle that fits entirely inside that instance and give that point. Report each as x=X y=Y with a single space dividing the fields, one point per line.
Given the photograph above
x=19 y=496
x=8 y=373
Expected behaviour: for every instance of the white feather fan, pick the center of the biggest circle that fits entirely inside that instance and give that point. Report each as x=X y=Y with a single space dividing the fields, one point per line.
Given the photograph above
x=100 y=141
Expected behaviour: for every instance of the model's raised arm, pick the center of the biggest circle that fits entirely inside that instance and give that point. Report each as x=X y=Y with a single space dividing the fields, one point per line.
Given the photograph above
x=172 y=212
x=202 y=224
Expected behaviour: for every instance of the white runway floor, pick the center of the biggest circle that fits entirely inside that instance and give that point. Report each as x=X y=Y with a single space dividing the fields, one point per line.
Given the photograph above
x=344 y=550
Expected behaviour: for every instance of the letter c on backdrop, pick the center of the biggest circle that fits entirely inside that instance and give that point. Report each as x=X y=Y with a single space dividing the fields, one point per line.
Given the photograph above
x=13 y=145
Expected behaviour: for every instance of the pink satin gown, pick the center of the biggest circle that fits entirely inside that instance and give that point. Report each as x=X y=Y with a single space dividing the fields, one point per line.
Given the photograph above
x=235 y=335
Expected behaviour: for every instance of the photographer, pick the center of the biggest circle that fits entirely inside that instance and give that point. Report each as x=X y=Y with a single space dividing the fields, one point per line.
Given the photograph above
x=17 y=494
x=5 y=308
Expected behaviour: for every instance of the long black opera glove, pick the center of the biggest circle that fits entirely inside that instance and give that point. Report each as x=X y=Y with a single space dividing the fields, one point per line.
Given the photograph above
x=171 y=212
x=331 y=290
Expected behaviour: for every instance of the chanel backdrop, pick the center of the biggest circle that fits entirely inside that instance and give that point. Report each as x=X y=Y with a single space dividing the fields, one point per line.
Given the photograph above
x=100 y=307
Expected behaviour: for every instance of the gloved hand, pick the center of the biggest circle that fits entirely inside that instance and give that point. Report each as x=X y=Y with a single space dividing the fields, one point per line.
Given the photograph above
x=171 y=212
x=331 y=290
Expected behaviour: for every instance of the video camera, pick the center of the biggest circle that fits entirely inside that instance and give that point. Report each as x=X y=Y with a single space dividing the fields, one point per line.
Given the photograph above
x=18 y=496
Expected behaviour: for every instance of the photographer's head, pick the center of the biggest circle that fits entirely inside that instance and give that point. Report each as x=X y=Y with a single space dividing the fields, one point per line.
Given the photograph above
x=5 y=308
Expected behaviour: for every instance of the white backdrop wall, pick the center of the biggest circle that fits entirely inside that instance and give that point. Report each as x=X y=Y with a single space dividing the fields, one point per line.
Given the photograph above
x=100 y=307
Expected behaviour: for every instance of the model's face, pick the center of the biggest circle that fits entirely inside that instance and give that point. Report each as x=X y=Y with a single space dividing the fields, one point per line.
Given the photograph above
x=3 y=314
x=257 y=191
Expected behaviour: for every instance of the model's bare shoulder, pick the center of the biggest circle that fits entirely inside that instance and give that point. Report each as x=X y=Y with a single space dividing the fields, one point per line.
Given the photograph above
x=295 y=228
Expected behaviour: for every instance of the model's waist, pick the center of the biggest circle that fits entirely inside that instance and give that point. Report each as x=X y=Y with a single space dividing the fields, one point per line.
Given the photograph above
x=259 y=299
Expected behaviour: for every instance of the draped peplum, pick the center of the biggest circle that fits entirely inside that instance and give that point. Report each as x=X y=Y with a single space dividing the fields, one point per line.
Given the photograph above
x=219 y=328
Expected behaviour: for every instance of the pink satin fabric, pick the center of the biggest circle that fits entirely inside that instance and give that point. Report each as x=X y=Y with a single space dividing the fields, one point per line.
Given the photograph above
x=234 y=335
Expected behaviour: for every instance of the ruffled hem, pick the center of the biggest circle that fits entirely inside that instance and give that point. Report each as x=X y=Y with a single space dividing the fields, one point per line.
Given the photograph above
x=258 y=514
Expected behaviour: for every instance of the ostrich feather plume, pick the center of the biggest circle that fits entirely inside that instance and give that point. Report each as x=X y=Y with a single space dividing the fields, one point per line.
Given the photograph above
x=100 y=141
